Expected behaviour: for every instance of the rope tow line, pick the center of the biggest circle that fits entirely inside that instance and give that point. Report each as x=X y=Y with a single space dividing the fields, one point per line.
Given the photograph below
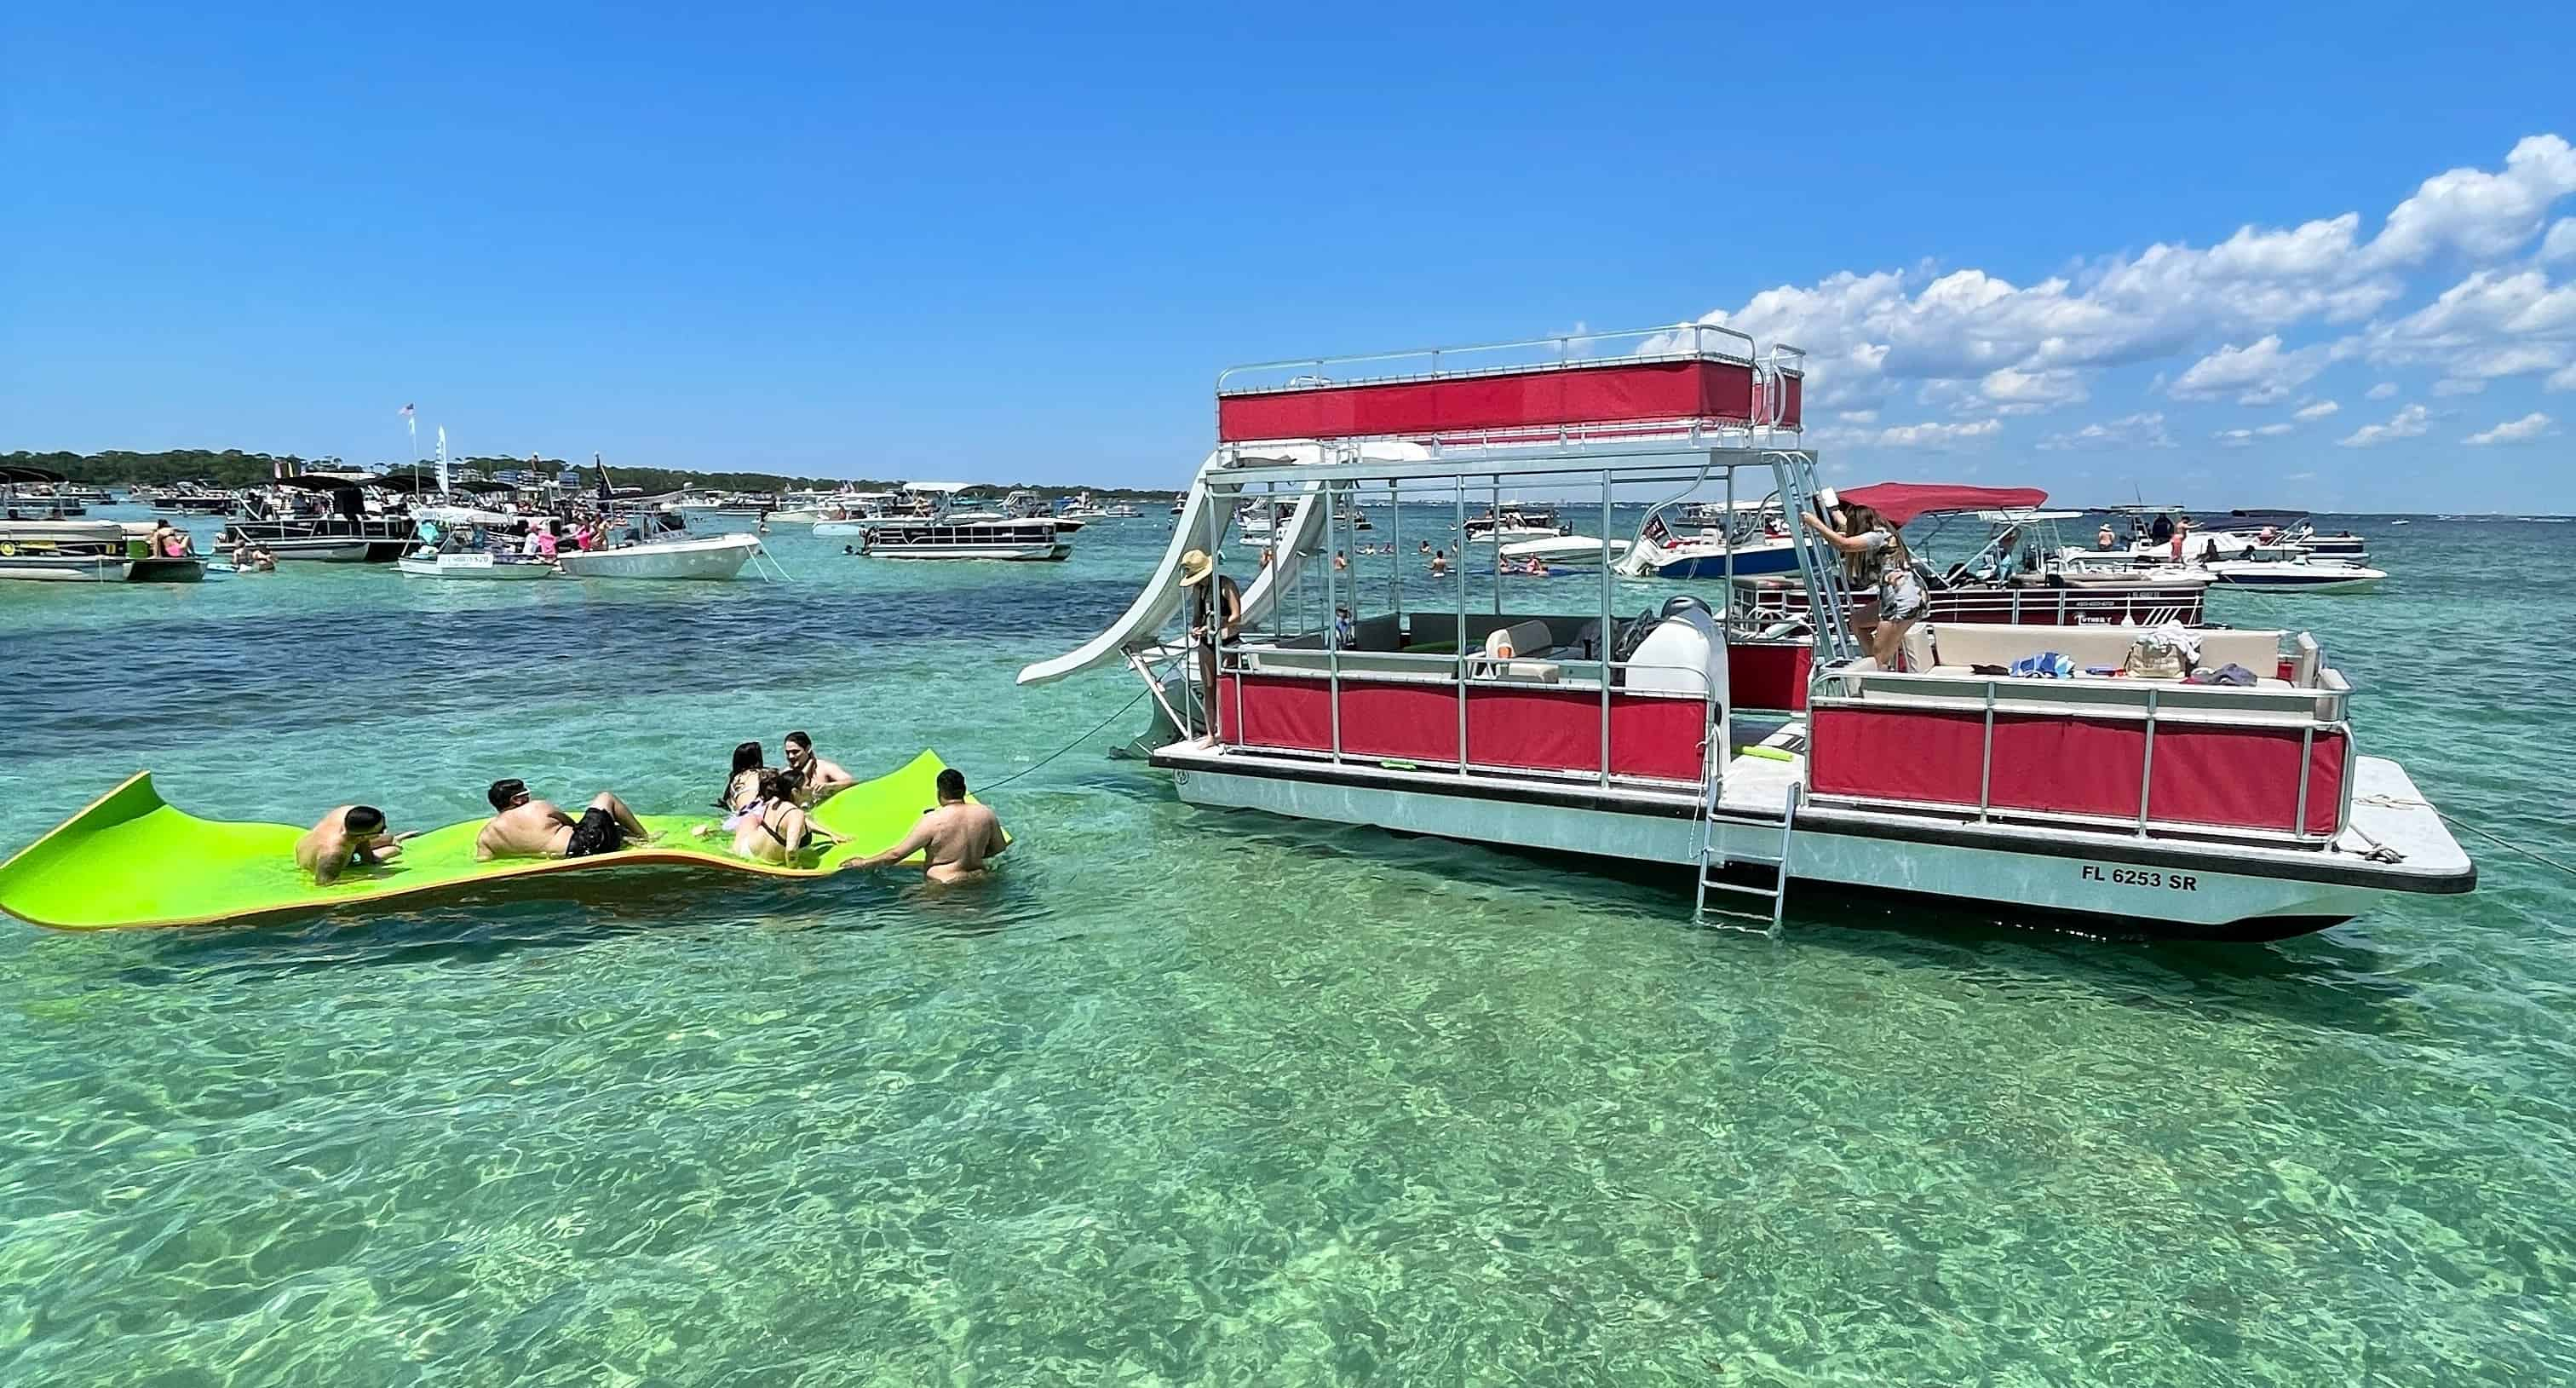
x=2400 y=803
x=1060 y=751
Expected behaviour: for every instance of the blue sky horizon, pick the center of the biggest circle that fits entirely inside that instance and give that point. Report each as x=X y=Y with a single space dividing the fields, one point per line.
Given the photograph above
x=2205 y=255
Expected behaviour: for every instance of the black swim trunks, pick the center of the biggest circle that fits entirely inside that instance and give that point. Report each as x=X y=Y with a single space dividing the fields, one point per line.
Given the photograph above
x=597 y=833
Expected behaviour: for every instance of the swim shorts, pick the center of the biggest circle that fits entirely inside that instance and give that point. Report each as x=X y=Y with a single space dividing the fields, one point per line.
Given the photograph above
x=596 y=833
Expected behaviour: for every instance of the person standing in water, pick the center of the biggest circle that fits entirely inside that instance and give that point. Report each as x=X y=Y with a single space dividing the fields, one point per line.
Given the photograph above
x=350 y=835
x=955 y=840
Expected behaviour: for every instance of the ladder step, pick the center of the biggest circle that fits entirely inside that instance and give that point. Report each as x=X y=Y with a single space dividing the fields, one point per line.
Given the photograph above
x=1742 y=890
x=1757 y=917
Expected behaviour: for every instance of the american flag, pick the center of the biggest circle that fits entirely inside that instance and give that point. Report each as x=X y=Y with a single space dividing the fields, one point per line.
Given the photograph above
x=406 y=411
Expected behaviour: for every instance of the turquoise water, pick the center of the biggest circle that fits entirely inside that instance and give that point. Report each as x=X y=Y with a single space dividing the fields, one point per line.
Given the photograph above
x=1195 y=1097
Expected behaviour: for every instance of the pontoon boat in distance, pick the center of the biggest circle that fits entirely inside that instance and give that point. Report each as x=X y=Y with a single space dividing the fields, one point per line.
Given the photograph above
x=2132 y=806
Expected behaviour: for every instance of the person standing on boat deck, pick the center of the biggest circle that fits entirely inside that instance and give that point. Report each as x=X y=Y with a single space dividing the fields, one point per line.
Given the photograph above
x=819 y=780
x=547 y=545
x=955 y=840
x=1216 y=617
x=349 y=835
x=1873 y=553
x=2104 y=539
x=526 y=827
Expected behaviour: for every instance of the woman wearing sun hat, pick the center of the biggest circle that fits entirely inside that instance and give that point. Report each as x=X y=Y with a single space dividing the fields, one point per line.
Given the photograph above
x=1217 y=605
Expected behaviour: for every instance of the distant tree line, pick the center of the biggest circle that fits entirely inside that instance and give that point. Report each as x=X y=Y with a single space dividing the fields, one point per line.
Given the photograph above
x=233 y=468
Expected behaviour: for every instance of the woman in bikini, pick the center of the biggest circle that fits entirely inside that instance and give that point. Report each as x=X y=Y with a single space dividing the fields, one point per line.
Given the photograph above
x=773 y=827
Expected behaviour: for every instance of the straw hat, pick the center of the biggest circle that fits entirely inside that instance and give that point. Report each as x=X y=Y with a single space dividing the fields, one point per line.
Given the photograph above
x=1195 y=567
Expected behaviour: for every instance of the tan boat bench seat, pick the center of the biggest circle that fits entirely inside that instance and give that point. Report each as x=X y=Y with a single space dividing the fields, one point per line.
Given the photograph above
x=1940 y=647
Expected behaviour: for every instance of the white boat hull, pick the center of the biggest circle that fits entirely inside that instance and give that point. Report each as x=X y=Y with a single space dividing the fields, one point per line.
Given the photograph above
x=2109 y=882
x=709 y=558
x=1566 y=551
x=2295 y=578
x=477 y=567
x=1039 y=552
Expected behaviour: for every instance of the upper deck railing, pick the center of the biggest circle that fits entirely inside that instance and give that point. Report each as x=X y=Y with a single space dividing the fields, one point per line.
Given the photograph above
x=1683 y=382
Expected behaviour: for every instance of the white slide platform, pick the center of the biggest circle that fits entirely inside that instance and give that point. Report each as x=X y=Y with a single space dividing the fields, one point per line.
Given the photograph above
x=1301 y=535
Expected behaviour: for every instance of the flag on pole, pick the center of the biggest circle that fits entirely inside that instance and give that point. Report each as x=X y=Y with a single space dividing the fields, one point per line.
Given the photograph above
x=406 y=411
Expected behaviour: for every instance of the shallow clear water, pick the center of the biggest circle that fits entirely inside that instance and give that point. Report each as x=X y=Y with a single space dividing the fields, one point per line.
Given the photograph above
x=1193 y=1097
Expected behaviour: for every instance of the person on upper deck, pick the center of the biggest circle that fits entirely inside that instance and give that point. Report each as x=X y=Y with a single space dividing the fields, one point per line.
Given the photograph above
x=1216 y=617
x=1873 y=553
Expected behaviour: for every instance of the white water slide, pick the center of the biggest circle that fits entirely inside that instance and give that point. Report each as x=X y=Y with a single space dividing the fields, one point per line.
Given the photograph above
x=1297 y=538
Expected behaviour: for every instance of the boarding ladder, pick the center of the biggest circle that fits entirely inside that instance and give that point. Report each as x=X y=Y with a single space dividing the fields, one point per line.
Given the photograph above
x=1827 y=601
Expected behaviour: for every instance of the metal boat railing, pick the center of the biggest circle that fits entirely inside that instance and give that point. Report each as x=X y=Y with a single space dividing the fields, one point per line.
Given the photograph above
x=2322 y=709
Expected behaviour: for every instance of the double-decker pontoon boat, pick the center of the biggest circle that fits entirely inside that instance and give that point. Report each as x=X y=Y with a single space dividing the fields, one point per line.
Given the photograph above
x=2233 y=807
x=319 y=517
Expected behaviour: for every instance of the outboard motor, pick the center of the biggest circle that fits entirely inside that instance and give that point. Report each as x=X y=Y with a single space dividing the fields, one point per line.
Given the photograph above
x=1684 y=653
x=1674 y=606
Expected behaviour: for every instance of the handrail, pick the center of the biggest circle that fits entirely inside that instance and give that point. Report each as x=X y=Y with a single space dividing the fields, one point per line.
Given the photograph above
x=1562 y=342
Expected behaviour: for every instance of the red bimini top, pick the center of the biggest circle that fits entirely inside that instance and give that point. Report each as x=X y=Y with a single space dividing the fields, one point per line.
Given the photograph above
x=1902 y=502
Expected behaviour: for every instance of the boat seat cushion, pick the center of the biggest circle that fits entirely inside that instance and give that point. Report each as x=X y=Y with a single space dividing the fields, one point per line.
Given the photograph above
x=1966 y=644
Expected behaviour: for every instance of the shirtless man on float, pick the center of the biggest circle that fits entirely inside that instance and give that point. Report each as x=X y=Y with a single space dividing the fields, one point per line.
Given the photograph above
x=955 y=840
x=349 y=834
x=526 y=827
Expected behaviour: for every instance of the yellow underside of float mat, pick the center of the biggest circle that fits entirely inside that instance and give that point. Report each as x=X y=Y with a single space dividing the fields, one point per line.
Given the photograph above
x=131 y=860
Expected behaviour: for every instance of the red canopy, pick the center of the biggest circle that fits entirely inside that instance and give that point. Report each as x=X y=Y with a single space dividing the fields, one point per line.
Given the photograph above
x=1901 y=502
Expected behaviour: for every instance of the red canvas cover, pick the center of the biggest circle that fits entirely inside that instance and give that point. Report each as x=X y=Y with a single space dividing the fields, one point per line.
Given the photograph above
x=1603 y=393
x=1902 y=502
x=2245 y=777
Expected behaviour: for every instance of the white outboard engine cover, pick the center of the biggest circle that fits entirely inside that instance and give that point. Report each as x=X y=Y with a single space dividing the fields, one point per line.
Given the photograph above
x=1682 y=655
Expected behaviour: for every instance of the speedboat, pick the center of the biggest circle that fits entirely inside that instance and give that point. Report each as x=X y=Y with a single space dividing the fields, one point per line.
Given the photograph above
x=1511 y=521
x=481 y=565
x=1661 y=552
x=1565 y=551
x=2295 y=575
x=662 y=550
x=2232 y=806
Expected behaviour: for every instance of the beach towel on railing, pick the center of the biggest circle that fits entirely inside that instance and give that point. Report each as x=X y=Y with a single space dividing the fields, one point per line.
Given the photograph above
x=2047 y=665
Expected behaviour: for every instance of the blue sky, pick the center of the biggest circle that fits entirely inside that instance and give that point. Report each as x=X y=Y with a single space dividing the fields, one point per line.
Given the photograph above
x=1019 y=244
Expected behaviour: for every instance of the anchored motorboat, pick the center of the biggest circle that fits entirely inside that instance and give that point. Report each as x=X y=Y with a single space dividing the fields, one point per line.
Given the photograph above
x=2017 y=575
x=953 y=529
x=39 y=541
x=1511 y=521
x=1567 y=551
x=1752 y=543
x=2299 y=575
x=2229 y=803
x=319 y=517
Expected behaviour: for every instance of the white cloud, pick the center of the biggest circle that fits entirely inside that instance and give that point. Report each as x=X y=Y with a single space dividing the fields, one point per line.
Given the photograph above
x=2478 y=213
x=2258 y=373
x=2240 y=438
x=1937 y=436
x=2145 y=430
x=2002 y=347
x=2300 y=477
x=2560 y=243
x=2319 y=410
x=2453 y=385
x=2015 y=391
x=2523 y=430
x=2407 y=423
x=2564 y=379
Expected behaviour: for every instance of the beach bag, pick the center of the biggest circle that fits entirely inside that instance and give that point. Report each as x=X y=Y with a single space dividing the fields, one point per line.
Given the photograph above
x=2155 y=655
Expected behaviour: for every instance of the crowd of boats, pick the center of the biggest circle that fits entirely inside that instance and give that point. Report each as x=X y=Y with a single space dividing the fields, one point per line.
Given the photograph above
x=501 y=531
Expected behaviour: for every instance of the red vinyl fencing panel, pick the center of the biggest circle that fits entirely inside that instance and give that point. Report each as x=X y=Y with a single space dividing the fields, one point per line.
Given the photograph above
x=2239 y=777
x=1507 y=725
x=1606 y=393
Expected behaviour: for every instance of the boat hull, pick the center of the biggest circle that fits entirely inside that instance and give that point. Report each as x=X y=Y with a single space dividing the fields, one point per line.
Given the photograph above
x=2105 y=884
x=1022 y=553
x=711 y=559
x=485 y=568
x=2297 y=578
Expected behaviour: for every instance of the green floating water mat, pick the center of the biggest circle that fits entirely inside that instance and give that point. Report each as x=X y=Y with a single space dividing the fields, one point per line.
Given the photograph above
x=131 y=860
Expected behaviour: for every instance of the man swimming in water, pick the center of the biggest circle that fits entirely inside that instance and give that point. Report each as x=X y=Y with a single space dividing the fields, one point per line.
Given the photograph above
x=525 y=827
x=955 y=840
x=349 y=834
x=821 y=779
